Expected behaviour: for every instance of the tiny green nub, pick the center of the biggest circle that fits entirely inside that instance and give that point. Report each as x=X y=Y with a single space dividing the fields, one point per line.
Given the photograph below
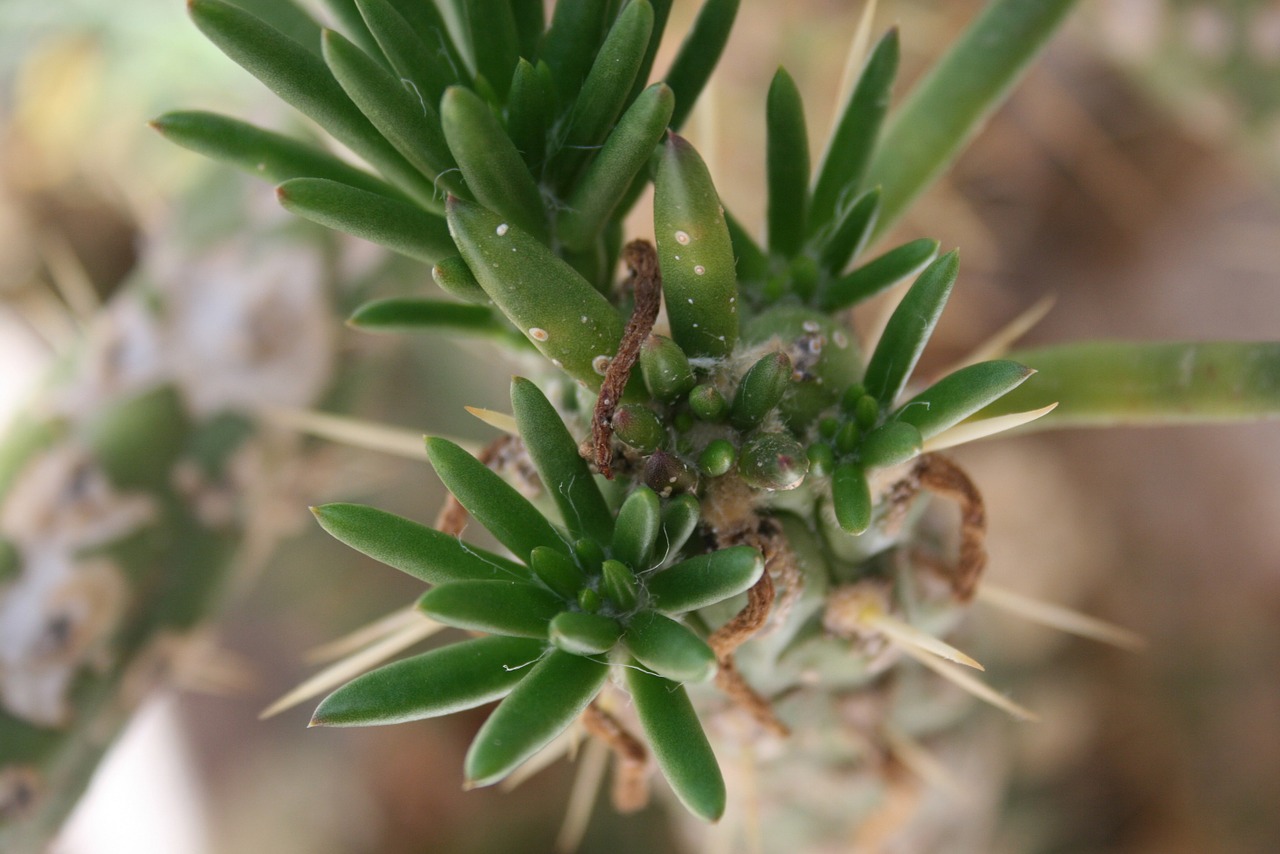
x=620 y=585
x=708 y=403
x=717 y=458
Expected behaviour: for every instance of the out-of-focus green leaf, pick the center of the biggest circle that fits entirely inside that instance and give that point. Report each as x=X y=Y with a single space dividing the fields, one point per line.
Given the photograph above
x=848 y=236
x=451 y=679
x=787 y=166
x=698 y=55
x=414 y=314
x=879 y=274
x=495 y=41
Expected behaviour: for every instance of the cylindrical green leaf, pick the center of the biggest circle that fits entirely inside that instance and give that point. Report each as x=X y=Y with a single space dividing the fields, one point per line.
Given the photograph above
x=493 y=502
x=301 y=79
x=787 y=166
x=958 y=395
x=665 y=368
x=849 y=153
x=708 y=403
x=678 y=743
x=400 y=226
x=753 y=264
x=637 y=427
x=705 y=580
x=760 y=390
x=822 y=460
x=560 y=312
x=558 y=571
x=413 y=62
x=564 y=472
x=541 y=707
x=530 y=111
x=494 y=171
x=495 y=41
x=347 y=16
x=456 y=279
x=851 y=497
x=606 y=90
x=850 y=232
x=398 y=112
x=584 y=634
x=611 y=172
x=696 y=256
x=510 y=608
x=440 y=63
x=619 y=584
x=570 y=45
x=530 y=21
x=450 y=679
x=773 y=461
x=669 y=648
x=679 y=521
x=717 y=458
x=272 y=156
x=909 y=328
x=412 y=548
x=698 y=55
x=637 y=528
x=412 y=314
x=889 y=444
x=879 y=274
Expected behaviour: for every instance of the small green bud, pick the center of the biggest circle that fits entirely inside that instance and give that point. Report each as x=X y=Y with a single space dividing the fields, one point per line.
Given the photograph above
x=666 y=474
x=707 y=403
x=822 y=460
x=866 y=411
x=773 y=461
x=589 y=600
x=760 y=390
x=804 y=275
x=828 y=427
x=665 y=368
x=637 y=427
x=557 y=571
x=851 y=496
x=717 y=458
x=889 y=444
x=620 y=584
x=847 y=438
x=589 y=554
x=682 y=421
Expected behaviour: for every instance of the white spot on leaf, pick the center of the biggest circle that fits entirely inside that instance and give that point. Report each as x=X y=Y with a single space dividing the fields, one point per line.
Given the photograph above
x=538 y=334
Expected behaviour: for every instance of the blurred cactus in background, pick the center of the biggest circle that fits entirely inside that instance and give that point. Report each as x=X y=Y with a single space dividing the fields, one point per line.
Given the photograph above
x=720 y=507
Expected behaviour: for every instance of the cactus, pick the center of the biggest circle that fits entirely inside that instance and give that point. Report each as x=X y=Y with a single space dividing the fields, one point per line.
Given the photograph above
x=726 y=542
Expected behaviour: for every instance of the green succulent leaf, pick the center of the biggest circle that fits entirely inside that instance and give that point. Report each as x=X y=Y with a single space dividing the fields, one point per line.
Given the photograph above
x=136 y=438
x=269 y=155
x=669 y=648
x=510 y=608
x=541 y=707
x=680 y=746
x=495 y=41
x=849 y=153
x=698 y=55
x=773 y=461
x=1109 y=383
x=400 y=226
x=530 y=18
x=609 y=176
x=441 y=62
x=425 y=71
x=705 y=580
x=950 y=104
x=787 y=165
x=695 y=253
x=889 y=444
x=347 y=15
x=636 y=532
x=753 y=264
x=493 y=502
x=909 y=328
x=289 y=18
x=849 y=236
x=584 y=634
x=302 y=80
x=412 y=314
x=619 y=584
x=557 y=310
x=557 y=571
x=399 y=113
x=879 y=274
x=760 y=391
x=607 y=88
x=450 y=679
x=960 y=394
x=661 y=12
x=425 y=553
x=456 y=279
x=564 y=472
x=493 y=169
x=530 y=111
x=665 y=368
x=679 y=521
x=851 y=497
x=571 y=43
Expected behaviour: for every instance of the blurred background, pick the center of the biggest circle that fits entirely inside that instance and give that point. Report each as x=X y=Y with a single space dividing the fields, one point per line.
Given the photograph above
x=1132 y=177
